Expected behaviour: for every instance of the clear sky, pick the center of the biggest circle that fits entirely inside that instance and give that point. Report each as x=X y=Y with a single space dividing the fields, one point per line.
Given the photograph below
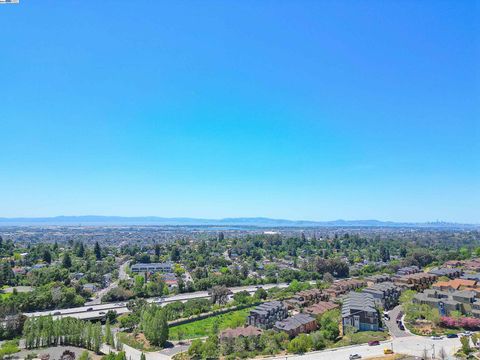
x=314 y=110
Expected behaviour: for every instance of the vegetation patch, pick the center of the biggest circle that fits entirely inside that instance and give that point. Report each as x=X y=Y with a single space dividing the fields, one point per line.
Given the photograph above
x=362 y=337
x=209 y=326
x=136 y=341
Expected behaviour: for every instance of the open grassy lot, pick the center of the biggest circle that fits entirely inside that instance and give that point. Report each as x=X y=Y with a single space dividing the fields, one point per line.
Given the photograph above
x=205 y=327
x=362 y=337
x=137 y=342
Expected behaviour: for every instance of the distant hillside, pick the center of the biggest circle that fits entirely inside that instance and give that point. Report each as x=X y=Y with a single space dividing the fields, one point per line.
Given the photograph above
x=247 y=221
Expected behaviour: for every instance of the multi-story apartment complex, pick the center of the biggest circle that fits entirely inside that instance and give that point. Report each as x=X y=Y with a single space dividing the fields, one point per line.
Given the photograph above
x=266 y=315
x=416 y=281
x=165 y=267
x=408 y=270
x=451 y=273
x=341 y=287
x=306 y=298
x=375 y=279
x=385 y=294
x=464 y=301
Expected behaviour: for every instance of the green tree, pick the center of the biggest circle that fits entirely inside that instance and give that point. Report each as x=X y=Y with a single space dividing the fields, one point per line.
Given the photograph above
x=465 y=341
x=301 y=344
x=98 y=251
x=80 y=250
x=195 y=350
x=47 y=256
x=67 y=261
x=109 y=339
x=154 y=325
x=260 y=294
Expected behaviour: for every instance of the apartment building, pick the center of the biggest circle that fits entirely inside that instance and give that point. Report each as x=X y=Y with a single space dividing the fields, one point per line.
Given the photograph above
x=385 y=294
x=415 y=281
x=165 y=267
x=266 y=315
x=306 y=298
x=464 y=301
x=451 y=273
x=341 y=287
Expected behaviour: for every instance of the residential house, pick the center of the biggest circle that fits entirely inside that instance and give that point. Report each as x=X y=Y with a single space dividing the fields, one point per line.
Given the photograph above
x=320 y=308
x=472 y=265
x=359 y=312
x=296 y=324
x=170 y=280
x=471 y=276
x=447 y=301
x=247 y=331
x=456 y=284
x=92 y=288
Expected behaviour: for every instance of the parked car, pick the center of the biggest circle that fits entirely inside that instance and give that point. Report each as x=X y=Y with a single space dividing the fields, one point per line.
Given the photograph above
x=401 y=326
x=373 y=343
x=437 y=337
x=452 y=336
x=354 y=356
x=387 y=351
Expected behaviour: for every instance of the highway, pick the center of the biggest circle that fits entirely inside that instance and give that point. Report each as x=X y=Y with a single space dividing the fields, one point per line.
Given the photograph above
x=94 y=312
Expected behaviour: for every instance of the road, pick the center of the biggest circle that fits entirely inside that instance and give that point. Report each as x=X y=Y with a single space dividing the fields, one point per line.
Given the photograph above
x=122 y=275
x=92 y=312
x=392 y=326
x=410 y=345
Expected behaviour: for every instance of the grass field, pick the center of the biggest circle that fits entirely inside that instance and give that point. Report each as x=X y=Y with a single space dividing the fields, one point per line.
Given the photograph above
x=205 y=327
x=362 y=337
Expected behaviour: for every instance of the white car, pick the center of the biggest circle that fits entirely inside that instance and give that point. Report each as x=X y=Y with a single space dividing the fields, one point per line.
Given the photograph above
x=437 y=337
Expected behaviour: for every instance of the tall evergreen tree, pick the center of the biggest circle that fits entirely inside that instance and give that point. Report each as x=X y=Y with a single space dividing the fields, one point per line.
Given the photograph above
x=67 y=261
x=47 y=256
x=98 y=251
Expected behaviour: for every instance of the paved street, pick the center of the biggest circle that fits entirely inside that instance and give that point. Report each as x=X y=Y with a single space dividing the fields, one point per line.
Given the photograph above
x=411 y=345
x=392 y=323
x=122 y=275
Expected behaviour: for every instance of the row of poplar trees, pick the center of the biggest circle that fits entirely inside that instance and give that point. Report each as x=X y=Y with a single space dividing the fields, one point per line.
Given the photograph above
x=45 y=331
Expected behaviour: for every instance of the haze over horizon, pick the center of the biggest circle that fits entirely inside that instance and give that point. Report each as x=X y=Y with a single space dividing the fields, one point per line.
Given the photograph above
x=291 y=110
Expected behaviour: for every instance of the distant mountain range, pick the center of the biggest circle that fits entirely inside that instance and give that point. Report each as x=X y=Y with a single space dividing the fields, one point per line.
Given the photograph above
x=241 y=221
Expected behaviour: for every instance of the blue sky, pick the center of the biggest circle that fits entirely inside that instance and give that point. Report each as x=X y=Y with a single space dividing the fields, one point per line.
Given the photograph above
x=290 y=109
